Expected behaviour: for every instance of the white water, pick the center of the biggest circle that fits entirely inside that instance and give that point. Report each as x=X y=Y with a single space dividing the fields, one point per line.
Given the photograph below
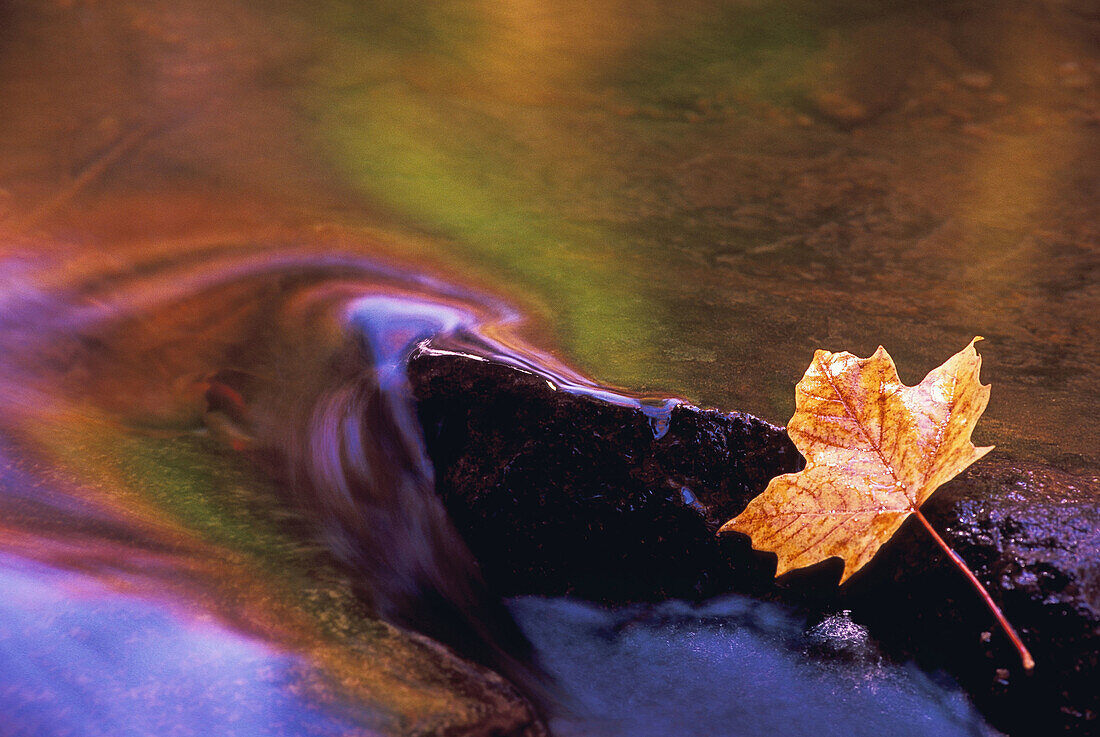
x=732 y=667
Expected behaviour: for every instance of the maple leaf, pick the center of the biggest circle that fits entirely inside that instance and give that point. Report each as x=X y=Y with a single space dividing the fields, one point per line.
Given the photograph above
x=875 y=450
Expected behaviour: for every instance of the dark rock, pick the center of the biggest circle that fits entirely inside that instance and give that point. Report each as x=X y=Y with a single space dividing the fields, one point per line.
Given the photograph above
x=563 y=493
x=1031 y=534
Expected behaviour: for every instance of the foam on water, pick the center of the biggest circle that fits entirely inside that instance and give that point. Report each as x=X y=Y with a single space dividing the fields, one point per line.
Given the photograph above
x=733 y=667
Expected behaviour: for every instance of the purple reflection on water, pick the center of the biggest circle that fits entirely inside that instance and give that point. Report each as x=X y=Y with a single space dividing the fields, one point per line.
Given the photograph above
x=77 y=658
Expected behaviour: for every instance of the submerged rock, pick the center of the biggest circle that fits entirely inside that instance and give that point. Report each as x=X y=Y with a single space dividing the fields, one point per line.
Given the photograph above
x=560 y=492
x=445 y=694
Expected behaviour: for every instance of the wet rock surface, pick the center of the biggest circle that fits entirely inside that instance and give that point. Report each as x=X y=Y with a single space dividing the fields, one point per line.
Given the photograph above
x=1031 y=534
x=472 y=701
x=562 y=493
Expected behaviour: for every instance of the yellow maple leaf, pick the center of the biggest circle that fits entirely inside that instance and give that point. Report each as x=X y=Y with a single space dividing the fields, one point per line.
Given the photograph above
x=875 y=450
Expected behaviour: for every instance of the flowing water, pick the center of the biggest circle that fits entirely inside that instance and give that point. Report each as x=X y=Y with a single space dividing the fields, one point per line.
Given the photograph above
x=223 y=225
x=734 y=667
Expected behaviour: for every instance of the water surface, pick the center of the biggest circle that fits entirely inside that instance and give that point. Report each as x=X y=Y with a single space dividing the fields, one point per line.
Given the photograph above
x=223 y=223
x=731 y=667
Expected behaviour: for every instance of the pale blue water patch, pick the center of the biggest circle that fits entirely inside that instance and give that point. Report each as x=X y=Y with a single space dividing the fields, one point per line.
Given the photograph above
x=732 y=667
x=393 y=326
x=81 y=660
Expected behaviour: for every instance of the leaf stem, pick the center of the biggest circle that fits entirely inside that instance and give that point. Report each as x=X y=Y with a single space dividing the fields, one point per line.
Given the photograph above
x=1025 y=656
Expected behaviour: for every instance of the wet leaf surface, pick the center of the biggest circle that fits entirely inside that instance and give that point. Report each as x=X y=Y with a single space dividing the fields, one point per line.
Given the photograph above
x=875 y=451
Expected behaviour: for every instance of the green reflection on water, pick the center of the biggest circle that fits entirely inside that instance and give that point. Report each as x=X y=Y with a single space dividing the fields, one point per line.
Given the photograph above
x=698 y=199
x=472 y=175
x=688 y=198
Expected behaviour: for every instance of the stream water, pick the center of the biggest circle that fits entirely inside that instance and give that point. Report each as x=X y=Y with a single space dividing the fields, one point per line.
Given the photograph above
x=224 y=224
